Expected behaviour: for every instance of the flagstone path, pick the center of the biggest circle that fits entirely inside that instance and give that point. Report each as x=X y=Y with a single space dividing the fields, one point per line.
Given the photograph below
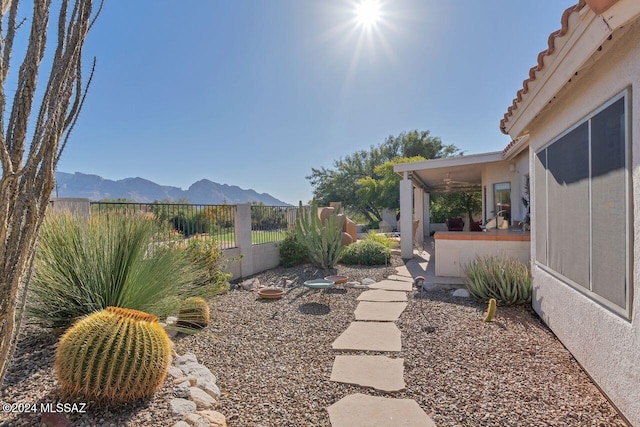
x=374 y=330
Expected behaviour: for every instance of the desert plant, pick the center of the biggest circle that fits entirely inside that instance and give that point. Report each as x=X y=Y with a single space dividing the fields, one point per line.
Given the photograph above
x=505 y=279
x=323 y=239
x=381 y=238
x=194 y=313
x=491 y=310
x=83 y=266
x=113 y=355
x=366 y=252
x=292 y=252
x=205 y=253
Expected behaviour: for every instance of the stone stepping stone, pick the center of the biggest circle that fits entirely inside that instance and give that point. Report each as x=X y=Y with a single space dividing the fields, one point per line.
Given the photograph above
x=379 y=372
x=370 y=411
x=392 y=285
x=381 y=295
x=400 y=278
x=403 y=271
x=374 y=336
x=380 y=311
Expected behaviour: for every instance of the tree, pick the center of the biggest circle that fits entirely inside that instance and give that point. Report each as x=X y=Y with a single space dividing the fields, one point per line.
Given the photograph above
x=28 y=176
x=449 y=205
x=383 y=189
x=342 y=182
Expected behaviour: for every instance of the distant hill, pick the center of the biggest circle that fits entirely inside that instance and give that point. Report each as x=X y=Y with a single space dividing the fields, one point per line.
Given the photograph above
x=95 y=187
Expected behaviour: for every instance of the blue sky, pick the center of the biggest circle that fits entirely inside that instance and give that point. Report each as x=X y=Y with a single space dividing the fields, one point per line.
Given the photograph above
x=255 y=93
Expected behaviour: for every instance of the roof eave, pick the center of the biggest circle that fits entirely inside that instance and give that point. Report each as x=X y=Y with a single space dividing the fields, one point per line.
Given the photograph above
x=582 y=33
x=495 y=156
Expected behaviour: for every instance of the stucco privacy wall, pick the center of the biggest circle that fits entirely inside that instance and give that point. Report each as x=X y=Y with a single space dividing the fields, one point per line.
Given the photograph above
x=453 y=255
x=605 y=344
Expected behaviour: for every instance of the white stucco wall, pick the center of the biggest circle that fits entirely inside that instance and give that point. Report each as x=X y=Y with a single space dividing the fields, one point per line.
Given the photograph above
x=605 y=344
x=263 y=257
x=453 y=255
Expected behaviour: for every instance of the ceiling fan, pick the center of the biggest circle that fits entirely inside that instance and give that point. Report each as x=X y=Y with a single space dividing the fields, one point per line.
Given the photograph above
x=455 y=185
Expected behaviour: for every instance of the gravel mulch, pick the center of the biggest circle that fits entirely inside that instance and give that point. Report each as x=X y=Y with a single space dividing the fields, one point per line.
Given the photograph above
x=273 y=360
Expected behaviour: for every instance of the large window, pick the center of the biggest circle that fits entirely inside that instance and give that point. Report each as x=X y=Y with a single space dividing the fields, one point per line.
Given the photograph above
x=582 y=206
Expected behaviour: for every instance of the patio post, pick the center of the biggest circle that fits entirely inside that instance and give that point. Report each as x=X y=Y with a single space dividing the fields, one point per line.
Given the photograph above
x=419 y=214
x=426 y=215
x=243 y=238
x=406 y=217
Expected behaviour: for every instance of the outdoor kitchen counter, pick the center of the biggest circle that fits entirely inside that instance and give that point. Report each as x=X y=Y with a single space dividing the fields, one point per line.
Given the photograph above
x=494 y=235
x=455 y=249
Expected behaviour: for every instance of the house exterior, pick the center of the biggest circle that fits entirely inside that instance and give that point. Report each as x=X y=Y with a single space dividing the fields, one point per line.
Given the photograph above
x=575 y=121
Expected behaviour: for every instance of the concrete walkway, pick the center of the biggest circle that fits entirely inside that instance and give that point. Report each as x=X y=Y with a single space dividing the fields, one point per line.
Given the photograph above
x=374 y=330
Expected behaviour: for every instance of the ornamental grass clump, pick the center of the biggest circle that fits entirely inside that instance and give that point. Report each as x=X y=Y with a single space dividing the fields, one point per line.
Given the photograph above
x=505 y=279
x=122 y=260
x=322 y=238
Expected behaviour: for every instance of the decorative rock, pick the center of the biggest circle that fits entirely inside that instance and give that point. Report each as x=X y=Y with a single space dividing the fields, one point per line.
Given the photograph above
x=462 y=293
x=197 y=420
x=181 y=424
x=368 y=281
x=175 y=372
x=250 y=284
x=216 y=419
x=193 y=381
x=198 y=371
x=182 y=389
x=210 y=388
x=202 y=399
x=185 y=359
x=181 y=406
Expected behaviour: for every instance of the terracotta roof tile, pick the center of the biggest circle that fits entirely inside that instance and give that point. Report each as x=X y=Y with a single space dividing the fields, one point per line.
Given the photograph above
x=532 y=72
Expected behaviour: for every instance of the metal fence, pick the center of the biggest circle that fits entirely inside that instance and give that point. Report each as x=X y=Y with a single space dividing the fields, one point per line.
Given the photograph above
x=271 y=223
x=187 y=220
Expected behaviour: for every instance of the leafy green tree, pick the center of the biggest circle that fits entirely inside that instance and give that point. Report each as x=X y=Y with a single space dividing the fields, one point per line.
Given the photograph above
x=449 y=205
x=342 y=182
x=383 y=189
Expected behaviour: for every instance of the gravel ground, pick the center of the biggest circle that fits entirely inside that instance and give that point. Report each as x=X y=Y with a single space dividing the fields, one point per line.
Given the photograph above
x=273 y=360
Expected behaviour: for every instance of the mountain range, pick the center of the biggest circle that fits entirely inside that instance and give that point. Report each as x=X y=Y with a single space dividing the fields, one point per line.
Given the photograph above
x=142 y=190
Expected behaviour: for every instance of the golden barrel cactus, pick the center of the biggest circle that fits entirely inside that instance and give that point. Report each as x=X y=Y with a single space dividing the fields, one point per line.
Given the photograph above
x=113 y=355
x=194 y=313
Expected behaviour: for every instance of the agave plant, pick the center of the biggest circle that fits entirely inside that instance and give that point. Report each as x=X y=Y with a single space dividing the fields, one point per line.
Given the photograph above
x=83 y=266
x=505 y=279
x=323 y=239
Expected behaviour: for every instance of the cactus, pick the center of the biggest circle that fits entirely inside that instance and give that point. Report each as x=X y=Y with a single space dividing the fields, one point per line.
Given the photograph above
x=194 y=313
x=323 y=239
x=114 y=355
x=491 y=310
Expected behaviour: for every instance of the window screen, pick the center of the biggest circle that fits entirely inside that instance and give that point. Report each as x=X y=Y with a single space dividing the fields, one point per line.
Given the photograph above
x=581 y=205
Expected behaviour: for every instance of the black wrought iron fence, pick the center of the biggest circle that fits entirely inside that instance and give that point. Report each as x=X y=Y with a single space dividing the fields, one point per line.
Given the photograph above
x=271 y=223
x=185 y=220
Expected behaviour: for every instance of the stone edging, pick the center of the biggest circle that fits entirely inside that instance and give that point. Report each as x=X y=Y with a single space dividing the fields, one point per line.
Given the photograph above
x=197 y=394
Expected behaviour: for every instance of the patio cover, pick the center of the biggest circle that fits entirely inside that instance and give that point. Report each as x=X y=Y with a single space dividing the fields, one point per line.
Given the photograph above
x=449 y=174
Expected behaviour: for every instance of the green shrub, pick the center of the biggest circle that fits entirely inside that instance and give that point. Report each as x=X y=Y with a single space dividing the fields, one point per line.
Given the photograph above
x=83 y=266
x=505 y=279
x=292 y=252
x=382 y=239
x=366 y=252
x=323 y=239
x=205 y=253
